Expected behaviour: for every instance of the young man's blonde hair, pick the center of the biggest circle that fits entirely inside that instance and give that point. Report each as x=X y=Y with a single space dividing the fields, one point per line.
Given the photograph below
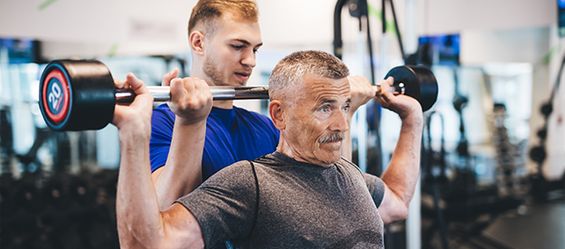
x=205 y=12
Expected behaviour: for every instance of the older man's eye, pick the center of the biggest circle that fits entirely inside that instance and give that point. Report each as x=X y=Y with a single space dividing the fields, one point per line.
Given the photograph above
x=325 y=108
x=346 y=108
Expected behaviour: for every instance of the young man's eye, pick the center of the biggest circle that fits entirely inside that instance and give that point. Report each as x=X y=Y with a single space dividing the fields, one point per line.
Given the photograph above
x=238 y=47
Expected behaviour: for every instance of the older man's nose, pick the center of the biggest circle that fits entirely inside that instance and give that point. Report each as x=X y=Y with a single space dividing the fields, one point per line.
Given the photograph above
x=339 y=122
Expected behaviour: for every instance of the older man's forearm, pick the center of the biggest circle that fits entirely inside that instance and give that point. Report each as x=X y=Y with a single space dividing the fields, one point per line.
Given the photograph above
x=403 y=172
x=183 y=170
x=138 y=216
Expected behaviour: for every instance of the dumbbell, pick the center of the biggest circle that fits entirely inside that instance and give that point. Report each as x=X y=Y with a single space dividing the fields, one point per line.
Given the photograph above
x=77 y=95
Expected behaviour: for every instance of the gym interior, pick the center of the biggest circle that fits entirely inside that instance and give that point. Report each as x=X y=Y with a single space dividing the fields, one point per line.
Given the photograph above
x=492 y=171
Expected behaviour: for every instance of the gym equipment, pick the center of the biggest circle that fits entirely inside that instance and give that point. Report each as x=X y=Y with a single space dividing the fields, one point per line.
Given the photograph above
x=79 y=95
x=417 y=82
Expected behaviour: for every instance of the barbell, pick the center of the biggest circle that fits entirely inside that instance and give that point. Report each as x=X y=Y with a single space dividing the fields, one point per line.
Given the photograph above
x=77 y=95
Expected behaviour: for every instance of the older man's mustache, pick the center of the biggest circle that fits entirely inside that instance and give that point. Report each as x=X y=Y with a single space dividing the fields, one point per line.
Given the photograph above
x=331 y=138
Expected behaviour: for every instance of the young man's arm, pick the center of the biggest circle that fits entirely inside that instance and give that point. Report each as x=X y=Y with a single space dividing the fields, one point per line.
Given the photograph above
x=140 y=221
x=403 y=172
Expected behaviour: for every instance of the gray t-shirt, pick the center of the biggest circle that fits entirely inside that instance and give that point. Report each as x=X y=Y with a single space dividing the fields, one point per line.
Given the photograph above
x=300 y=205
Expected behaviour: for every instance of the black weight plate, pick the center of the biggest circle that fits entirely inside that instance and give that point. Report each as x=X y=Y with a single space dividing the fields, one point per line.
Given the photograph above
x=428 y=86
x=55 y=97
x=91 y=95
x=420 y=83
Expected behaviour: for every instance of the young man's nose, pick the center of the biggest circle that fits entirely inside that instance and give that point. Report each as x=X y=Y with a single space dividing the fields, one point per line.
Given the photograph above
x=248 y=58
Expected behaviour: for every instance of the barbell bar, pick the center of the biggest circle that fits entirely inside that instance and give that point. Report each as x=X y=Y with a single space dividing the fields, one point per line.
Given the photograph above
x=79 y=95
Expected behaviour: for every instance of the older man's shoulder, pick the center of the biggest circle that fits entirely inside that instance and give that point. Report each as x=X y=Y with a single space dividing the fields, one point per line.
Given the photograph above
x=344 y=162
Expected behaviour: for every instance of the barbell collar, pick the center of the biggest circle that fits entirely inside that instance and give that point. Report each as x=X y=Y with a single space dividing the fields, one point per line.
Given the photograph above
x=399 y=89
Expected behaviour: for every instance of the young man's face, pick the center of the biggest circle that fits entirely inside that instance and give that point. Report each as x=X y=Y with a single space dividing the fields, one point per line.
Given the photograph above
x=229 y=56
x=317 y=121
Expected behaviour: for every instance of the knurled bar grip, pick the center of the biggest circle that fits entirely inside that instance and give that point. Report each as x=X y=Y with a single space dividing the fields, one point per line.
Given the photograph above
x=163 y=93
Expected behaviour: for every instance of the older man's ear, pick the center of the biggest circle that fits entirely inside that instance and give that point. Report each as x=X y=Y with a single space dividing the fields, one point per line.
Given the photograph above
x=277 y=114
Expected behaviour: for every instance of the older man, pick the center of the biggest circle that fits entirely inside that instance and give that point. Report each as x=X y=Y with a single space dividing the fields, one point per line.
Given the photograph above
x=224 y=36
x=304 y=195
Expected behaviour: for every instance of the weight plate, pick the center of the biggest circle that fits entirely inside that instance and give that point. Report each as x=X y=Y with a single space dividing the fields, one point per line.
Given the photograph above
x=419 y=83
x=428 y=86
x=55 y=96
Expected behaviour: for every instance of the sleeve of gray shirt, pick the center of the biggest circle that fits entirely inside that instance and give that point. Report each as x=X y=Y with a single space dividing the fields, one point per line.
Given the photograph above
x=376 y=188
x=224 y=205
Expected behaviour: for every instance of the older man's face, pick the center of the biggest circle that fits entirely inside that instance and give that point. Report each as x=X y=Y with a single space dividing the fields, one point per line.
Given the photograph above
x=318 y=119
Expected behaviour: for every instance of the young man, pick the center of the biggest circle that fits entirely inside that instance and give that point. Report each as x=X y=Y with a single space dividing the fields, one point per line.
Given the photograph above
x=304 y=195
x=224 y=36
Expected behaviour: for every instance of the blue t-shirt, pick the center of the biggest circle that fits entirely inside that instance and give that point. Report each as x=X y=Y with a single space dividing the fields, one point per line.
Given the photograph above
x=231 y=135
